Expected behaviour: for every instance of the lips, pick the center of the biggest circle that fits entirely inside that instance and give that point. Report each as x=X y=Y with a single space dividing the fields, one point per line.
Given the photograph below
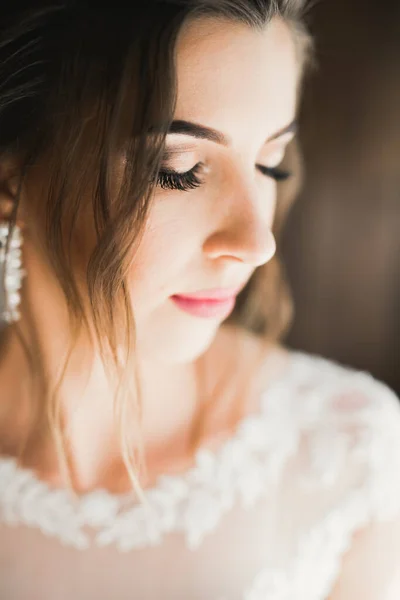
x=208 y=308
x=216 y=294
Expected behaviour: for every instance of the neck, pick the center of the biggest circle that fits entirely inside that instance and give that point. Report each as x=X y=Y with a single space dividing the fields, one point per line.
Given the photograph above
x=87 y=413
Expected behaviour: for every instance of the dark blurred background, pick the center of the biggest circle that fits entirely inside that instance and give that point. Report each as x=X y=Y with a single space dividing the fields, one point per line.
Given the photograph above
x=341 y=244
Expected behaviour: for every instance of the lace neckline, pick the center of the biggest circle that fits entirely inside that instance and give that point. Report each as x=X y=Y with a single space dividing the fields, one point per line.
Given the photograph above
x=25 y=498
x=202 y=451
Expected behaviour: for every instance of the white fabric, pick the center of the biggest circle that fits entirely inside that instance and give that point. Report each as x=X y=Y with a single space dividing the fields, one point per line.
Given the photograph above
x=269 y=516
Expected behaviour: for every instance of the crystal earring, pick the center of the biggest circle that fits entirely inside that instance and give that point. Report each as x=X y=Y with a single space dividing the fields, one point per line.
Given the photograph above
x=11 y=271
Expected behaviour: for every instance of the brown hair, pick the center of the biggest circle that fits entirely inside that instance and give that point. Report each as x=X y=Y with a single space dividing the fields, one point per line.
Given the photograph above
x=79 y=86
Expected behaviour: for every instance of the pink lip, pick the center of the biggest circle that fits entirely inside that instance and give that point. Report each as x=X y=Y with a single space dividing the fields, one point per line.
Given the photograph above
x=214 y=294
x=205 y=307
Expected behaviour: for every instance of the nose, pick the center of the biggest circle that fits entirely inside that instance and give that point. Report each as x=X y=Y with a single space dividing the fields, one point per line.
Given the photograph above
x=242 y=218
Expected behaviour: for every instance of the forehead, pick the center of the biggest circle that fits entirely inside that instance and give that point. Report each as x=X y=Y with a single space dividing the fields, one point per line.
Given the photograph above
x=232 y=76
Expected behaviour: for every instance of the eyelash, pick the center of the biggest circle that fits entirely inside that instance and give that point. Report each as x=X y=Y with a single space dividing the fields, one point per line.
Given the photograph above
x=169 y=179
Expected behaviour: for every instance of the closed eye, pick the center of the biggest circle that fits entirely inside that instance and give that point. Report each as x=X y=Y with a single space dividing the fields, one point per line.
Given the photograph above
x=275 y=173
x=169 y=179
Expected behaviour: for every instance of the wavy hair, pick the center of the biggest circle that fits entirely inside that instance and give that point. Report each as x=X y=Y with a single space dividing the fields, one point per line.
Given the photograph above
x=80 y=86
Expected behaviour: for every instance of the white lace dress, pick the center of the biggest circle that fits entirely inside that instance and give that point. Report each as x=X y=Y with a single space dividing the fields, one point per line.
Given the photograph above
x=269 y=516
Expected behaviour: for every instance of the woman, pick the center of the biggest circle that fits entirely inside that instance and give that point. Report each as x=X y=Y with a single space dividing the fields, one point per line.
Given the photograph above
x=157 y=439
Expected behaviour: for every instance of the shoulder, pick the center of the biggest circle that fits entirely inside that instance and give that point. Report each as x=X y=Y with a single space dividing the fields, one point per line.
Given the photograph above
x=346 y=474
x=351 y=422
x=370 y=568
x=341 y=389
x=344 y=394
x=356 y=430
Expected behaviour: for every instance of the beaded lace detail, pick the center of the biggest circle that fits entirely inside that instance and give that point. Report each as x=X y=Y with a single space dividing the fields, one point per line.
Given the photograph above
x=347 y=416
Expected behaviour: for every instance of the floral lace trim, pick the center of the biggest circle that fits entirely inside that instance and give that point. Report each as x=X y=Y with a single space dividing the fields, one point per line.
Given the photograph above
x=192 y=503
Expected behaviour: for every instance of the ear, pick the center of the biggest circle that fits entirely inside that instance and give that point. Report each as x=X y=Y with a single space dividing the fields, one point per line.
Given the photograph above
x=9 y=183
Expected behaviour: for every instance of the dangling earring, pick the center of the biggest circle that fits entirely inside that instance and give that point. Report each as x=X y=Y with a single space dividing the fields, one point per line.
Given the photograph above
x=13 y=272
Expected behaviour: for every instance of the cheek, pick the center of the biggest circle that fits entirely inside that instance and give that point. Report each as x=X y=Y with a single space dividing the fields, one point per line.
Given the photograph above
x=167 y=245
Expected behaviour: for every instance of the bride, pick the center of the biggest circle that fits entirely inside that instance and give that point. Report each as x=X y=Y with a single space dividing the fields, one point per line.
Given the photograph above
x=157 y=439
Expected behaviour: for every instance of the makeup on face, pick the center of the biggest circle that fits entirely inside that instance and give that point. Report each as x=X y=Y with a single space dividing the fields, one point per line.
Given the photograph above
x=205 y=308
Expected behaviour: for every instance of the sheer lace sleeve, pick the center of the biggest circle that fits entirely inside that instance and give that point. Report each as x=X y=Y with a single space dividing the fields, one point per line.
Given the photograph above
x=340 y=496
x=353 y=449
x=370 y=568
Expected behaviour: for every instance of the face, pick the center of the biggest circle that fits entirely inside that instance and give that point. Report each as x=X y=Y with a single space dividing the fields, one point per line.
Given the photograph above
x=214 y=234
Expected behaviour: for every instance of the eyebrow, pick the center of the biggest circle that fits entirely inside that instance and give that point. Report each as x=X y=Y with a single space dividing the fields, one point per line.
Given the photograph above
x=207 y=133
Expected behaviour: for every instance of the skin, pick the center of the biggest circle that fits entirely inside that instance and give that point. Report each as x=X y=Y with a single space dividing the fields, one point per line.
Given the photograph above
x=242 y=83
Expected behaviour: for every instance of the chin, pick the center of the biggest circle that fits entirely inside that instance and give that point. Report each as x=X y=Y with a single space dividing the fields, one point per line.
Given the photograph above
x=177 y=343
